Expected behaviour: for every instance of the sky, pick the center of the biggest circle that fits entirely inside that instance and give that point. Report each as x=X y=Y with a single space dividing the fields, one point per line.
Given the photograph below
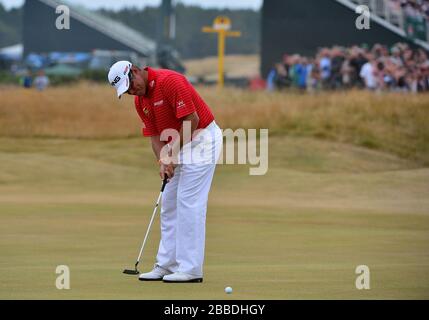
x=118 y=4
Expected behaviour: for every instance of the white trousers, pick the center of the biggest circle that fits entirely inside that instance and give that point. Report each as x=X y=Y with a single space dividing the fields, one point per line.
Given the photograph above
x=184 y=206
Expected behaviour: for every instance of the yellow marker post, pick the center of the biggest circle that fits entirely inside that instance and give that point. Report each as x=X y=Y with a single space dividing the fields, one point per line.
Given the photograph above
x=221 y=26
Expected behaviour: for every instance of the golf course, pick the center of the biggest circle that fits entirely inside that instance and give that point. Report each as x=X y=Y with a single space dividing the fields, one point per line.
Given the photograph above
x=347 y=185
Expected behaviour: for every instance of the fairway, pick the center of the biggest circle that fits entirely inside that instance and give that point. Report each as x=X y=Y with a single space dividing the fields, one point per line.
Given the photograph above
x=298 y=232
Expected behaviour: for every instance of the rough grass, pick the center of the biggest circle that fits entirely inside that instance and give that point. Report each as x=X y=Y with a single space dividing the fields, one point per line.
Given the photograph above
x=395 y=123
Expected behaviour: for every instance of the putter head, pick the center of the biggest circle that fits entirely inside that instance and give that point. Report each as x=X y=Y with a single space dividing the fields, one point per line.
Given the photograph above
x=131 y=272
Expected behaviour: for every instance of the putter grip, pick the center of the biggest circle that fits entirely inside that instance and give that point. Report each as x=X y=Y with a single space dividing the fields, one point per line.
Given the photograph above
x=164 y=183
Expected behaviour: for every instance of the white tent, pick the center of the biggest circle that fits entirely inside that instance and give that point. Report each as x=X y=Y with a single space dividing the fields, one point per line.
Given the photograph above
x=13 y=52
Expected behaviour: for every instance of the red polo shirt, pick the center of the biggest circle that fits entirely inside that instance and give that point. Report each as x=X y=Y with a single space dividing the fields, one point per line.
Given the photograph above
x=169 y=98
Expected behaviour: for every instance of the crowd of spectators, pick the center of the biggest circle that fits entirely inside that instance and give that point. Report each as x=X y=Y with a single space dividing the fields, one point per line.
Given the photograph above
x=399 y=68
x=40 y=82
x=416 y=17
x=414 y=8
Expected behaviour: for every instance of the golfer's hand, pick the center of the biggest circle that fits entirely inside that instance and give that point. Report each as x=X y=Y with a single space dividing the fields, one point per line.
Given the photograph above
x=166 y=170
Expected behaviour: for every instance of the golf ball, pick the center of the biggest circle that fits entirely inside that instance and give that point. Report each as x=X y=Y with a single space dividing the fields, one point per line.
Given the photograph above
x=228 y=290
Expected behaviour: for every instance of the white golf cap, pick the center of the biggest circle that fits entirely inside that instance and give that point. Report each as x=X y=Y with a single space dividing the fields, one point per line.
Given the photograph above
x=118 y=76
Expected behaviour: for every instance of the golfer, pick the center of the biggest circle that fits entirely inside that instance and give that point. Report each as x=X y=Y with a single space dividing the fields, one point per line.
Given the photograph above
x=187 y=142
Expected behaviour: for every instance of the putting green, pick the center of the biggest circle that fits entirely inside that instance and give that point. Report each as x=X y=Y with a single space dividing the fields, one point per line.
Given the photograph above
x=298 y=232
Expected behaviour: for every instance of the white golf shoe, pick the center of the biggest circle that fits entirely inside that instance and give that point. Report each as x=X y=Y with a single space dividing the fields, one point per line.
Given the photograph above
x=181 y=277
x=155 y=275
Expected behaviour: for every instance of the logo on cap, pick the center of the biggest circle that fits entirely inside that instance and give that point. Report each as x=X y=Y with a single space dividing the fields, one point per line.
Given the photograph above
x=116 y=80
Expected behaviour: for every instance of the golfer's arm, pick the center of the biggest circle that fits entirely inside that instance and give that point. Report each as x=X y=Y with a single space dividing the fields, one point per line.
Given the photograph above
x=157 y=145
x=184 y=139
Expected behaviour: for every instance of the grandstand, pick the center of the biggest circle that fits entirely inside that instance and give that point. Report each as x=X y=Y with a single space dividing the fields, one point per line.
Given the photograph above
x=410 y=17
x=88 y=31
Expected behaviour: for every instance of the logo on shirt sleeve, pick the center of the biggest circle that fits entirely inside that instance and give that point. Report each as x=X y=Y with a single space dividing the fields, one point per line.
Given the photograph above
x=146 y=111
x=181 y=104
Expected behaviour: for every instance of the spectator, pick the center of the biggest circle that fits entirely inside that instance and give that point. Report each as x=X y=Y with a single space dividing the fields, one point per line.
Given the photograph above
x=41 y=81
x=356 y=60
x=325 y=67
x=347 y=74
x=27 y=80
x=337 y=61
x=282 y=73
x=396 y=57
x=313 y=83
x=368 y=74
x=271 y=79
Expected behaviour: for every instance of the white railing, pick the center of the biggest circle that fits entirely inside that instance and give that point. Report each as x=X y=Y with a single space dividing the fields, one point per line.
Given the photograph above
x=392 y=13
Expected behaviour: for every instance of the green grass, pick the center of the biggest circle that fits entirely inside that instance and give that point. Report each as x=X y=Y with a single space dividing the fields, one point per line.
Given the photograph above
x=296 y=233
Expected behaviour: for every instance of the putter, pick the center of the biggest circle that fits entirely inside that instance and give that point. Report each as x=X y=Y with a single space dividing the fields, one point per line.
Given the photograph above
x=136 y=271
